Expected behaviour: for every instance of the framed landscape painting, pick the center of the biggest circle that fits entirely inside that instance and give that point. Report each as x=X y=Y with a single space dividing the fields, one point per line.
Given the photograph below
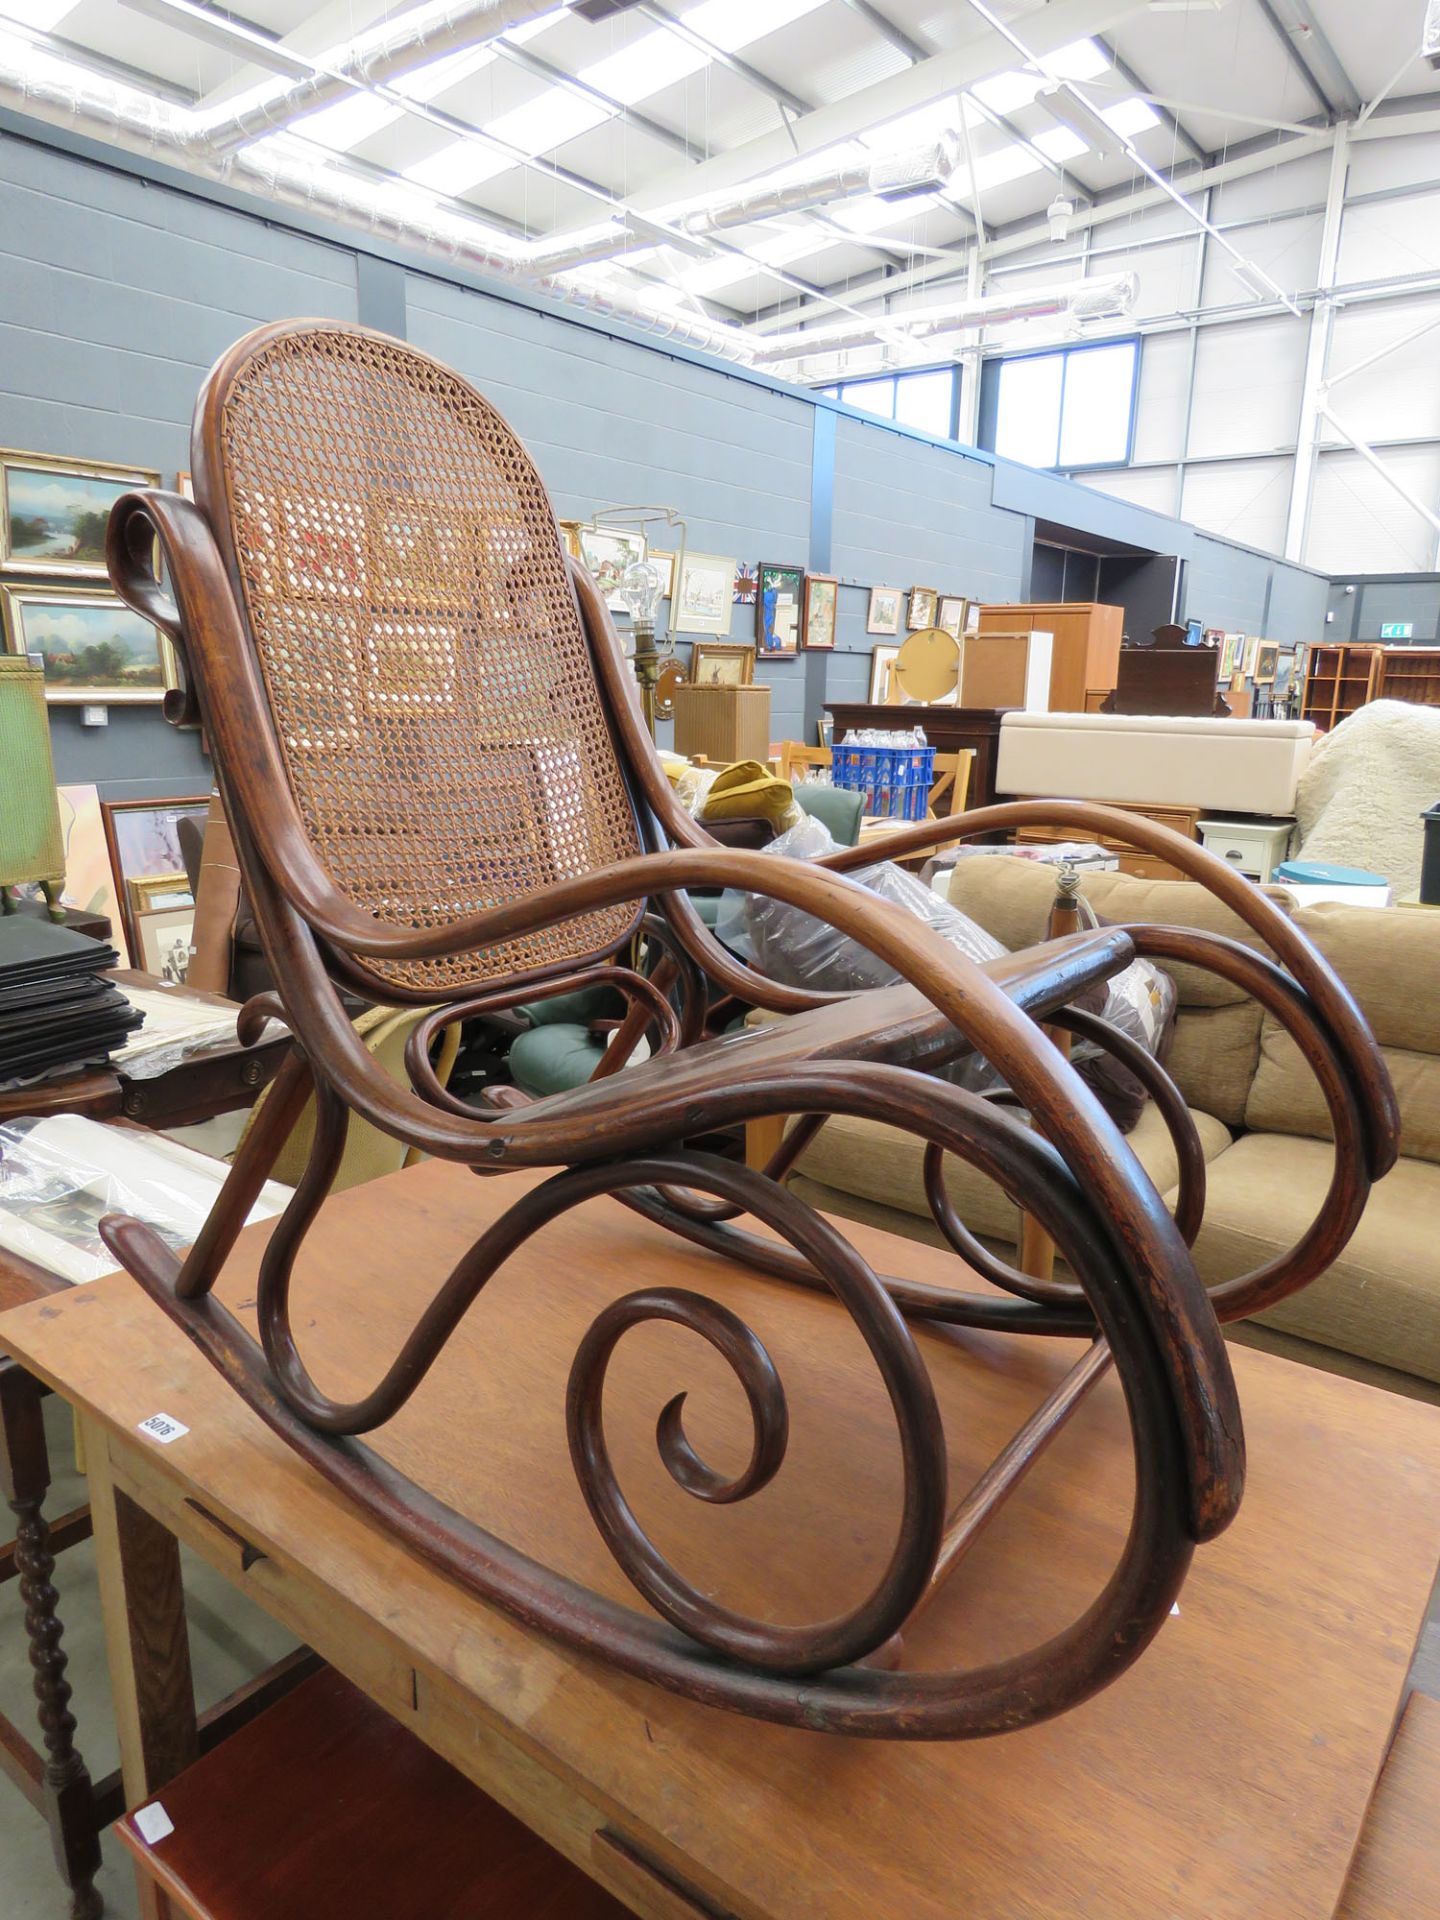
x=96 y=651
x=606 y=553
x=55 y=512
x=705 y=594
x=884 y=613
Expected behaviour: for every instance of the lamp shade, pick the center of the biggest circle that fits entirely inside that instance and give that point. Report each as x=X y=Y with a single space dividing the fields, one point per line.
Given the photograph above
x=31 y=846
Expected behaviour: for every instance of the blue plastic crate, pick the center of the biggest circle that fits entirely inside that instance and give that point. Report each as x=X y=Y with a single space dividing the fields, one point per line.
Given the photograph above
x=895 y=781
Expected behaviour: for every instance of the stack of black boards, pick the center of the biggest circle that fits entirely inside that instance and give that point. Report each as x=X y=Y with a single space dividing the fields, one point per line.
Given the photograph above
x=57 y=1016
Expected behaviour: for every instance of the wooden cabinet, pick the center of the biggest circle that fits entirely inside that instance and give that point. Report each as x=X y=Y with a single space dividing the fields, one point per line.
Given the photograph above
x=1144 y=866
x=1342 y=678
x=1338 y=680
x=1410 y=673
x=1087 y=636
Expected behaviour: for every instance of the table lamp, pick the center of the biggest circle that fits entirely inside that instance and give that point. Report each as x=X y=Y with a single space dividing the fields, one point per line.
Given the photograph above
x=640 y=589
x=31 y=844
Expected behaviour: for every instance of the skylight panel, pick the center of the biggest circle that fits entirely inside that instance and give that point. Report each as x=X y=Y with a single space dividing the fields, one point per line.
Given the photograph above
x=733 y=24
x=547 y=121
x=871 y=214
x=349 y=121
x=1009 y=91
x=653 y=61
x=428 y=82
x=529 y=30
x=1081 y=60
x=1129 y=117
x=997 y=169
x=43 y=15
x=914 y=129
x=1060 y=143
x=457 y=168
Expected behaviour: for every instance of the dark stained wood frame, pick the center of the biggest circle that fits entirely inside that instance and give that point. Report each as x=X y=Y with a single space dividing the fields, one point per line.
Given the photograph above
x=1135 y=1291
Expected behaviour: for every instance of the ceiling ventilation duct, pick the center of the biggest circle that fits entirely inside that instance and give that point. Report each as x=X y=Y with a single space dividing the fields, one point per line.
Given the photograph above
x=1080 y=300
x=890 y=176
x=423 y=34
x=1430 y=35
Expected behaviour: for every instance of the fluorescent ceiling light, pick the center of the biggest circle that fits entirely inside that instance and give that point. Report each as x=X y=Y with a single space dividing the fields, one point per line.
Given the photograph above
x=775 y=249
x=457 y=168
x=547 y=121
x=1081 y=60
x=1129 y=117
x=1060 y=143
x=733 y=24
x=653 y=61
x=1008 y=91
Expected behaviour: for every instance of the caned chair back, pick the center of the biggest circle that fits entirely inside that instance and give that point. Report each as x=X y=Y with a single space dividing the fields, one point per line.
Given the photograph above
x=428 y=678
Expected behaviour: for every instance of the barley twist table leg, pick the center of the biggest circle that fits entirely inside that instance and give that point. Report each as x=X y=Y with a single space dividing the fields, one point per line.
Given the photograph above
x=69 y=1802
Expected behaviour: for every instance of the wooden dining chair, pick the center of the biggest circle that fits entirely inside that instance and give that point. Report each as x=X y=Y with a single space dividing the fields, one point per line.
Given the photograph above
x=431 y=753
x=797 y=762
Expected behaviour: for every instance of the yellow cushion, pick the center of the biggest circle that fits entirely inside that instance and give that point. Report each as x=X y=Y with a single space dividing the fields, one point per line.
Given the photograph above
x=1381 y=1298
x=748 y=791
x=883 y=1165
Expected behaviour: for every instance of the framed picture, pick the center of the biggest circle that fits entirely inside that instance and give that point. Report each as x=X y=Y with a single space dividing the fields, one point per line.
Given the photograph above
x=706 y=595
x=952 y=613
x=163 y=943
x=884 y=612
x=89 y=877
x=924 y=602
x=570 y=535
x=55 y=512
x=606 y=553
x=777 y=610
x=184 y=485
x=1267 y=654
x=1230 y=646
x=713 y=665
x=882 y=661
x=96 y=651
x=747 y=586
x=143 y=837
x=664 y=565
x=822 y=599
x=825 y=731
x=1284 y=680
x=1252 y=649
x=155 y=890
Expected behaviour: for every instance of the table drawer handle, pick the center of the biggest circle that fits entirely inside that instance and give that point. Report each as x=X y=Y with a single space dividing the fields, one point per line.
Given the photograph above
x=637 y=1878
x=249 y=1554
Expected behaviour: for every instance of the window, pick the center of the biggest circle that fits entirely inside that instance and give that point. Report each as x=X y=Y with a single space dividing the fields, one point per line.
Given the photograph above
x=927 y=400
x=1070 y=408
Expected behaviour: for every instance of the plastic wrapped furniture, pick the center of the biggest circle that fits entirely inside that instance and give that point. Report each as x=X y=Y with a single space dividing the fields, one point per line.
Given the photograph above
x=430 y=749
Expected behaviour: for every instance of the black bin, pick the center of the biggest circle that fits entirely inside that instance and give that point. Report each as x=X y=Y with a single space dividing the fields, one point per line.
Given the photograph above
x=1430 y=862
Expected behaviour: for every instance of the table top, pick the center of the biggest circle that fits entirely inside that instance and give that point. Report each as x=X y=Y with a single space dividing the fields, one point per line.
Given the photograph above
x=1226 y=1775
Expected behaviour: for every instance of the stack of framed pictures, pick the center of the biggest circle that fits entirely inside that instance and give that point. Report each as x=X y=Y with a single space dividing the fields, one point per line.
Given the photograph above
x=55 y=596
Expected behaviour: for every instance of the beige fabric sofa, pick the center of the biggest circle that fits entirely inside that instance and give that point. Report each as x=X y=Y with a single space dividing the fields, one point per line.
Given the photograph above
x=1376 y=1312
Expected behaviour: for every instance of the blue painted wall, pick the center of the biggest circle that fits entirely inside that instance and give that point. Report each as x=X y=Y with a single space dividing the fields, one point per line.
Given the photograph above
x=121 y=282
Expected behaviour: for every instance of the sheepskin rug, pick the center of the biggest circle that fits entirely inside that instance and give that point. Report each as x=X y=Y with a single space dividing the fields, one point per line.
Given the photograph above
x=1361 y=795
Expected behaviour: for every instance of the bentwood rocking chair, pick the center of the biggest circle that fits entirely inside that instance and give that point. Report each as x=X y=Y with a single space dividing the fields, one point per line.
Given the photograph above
x=430 y=749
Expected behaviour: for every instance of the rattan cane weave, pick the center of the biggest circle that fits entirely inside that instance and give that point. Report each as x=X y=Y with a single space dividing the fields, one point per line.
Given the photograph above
x=430 y=684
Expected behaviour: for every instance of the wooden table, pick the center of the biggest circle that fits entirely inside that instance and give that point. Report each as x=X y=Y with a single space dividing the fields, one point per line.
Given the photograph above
x=1225 y=1776
x=220 y=1080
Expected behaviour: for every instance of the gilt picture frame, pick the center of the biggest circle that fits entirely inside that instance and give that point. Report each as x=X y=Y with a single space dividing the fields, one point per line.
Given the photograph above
x=822 y=604
x=883 y=615
x=96 y=650
x=719 y=664
x=54 y=511
x=921 y=613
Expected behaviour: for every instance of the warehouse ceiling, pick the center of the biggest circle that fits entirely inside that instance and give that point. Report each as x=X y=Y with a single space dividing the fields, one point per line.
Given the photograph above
x=732 y=171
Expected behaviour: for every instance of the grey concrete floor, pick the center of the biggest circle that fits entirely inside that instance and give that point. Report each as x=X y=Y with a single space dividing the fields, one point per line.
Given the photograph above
x=230 y=1640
